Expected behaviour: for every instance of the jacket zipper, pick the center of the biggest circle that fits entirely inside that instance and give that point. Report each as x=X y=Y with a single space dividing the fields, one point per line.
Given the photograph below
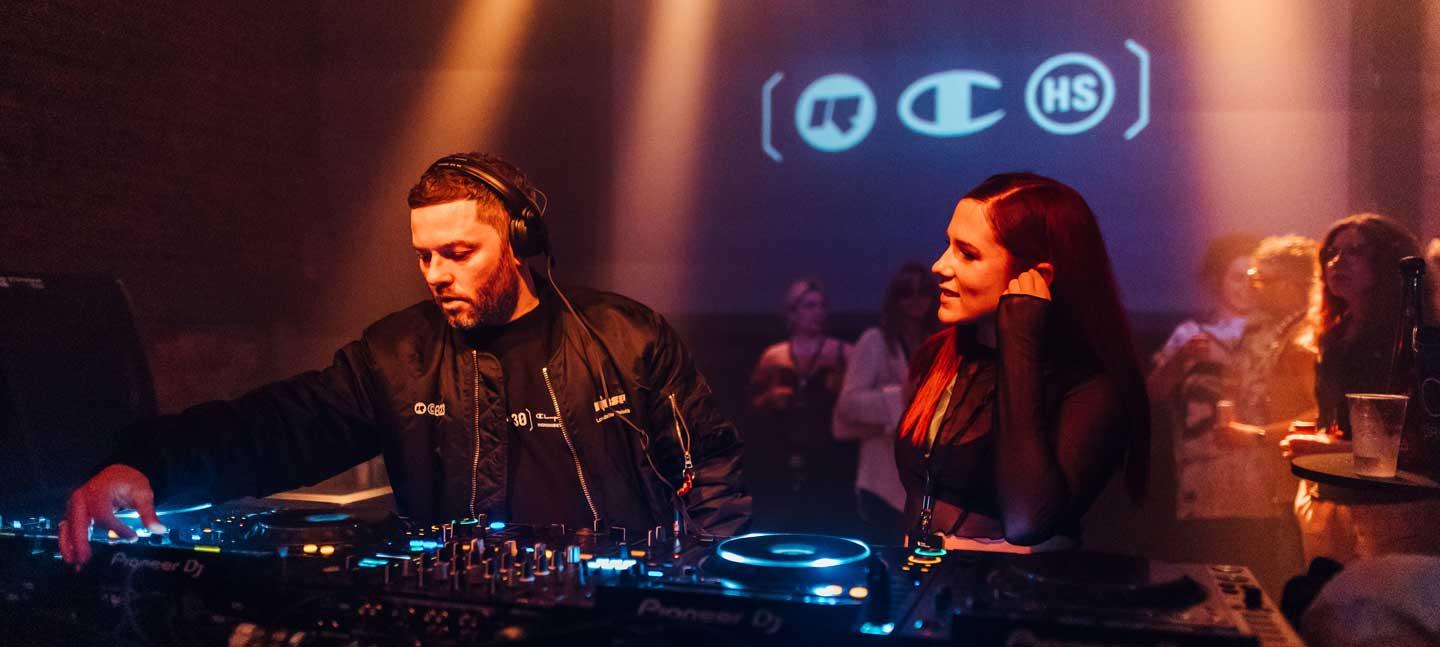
x=475 y=462
x=584 y=488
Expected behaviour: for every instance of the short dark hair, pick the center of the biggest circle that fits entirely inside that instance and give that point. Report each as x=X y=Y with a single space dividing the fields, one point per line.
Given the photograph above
x=1219 y=253
x=441 y=185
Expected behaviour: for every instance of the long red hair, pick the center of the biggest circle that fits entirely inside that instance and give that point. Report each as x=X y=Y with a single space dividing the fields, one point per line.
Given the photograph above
x=1037 y=219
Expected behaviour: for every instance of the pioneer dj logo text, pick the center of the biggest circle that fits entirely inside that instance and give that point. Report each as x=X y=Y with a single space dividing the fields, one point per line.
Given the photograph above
x=190 y=567
x=762 y=620
x=436 y=409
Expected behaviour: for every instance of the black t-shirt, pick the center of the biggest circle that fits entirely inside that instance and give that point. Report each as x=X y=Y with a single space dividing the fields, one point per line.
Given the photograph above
x=543 y=485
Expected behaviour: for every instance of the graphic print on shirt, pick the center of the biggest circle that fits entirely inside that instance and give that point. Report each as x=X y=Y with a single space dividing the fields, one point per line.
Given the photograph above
x=528 y=419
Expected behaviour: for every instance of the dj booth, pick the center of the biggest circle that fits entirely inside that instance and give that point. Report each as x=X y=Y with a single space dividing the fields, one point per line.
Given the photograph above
x=282 y=571
x=256 y=573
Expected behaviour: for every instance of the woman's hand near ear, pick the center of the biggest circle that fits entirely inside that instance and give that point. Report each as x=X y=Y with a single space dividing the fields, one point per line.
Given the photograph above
x=1033 y=282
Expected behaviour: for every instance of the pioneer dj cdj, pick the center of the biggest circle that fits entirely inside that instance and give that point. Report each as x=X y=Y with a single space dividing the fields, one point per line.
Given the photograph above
x=260 y=574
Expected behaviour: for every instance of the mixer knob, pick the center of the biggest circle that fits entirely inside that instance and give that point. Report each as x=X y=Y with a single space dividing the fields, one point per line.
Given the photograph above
x=512 y=548
x=528 y=574
x=446 y=531
x=618 y=534
x=473 y=554
x=442 y=570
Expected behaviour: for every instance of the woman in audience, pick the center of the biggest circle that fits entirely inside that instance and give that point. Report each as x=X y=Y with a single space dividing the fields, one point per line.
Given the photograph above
x=1211 y=337
x=1355 y=315
x=872 y=397
x=1233 y=486
x=793 y=391
x=1030 y=398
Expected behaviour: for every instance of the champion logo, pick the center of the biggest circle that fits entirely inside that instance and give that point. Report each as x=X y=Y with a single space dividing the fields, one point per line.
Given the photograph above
x=436 y=409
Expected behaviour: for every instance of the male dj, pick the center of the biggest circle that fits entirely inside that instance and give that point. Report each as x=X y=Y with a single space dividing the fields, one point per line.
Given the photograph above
x=503 y=395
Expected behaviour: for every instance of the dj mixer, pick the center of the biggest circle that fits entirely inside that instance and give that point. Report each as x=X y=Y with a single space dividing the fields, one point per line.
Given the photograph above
x=255 y=574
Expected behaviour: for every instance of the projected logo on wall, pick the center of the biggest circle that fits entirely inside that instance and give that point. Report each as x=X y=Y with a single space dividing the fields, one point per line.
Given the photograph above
x=1067 y=94
x=835 y=113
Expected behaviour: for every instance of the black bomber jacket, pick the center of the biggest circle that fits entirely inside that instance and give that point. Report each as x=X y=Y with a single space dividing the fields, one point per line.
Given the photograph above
x=411 y=390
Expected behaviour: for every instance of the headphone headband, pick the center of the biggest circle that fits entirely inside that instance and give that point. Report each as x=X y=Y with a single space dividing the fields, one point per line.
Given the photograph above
x=528 y=234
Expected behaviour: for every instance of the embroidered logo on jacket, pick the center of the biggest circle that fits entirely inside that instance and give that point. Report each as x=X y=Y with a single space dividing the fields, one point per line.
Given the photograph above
x=606 y=409
x=436 y=409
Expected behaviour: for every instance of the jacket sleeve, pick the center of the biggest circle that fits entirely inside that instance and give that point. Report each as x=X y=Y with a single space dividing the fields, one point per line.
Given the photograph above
x=718 y=503
x=1051 y=465
x=866 y=406
x=278 y=437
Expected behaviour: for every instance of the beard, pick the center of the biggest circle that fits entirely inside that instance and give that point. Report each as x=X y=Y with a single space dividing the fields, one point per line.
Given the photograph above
x=493 y=304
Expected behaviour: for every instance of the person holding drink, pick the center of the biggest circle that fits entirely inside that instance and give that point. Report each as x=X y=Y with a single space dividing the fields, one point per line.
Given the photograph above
x=1359 y=392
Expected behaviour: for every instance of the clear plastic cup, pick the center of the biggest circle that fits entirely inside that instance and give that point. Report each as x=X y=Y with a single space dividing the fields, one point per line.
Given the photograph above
x=1376 y=420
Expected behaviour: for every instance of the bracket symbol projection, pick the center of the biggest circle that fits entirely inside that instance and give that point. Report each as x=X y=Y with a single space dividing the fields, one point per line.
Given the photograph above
x=1144 y=119
x=766 y=119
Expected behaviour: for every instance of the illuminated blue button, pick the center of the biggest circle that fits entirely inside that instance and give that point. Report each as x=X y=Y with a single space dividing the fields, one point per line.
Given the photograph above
x=828 y=590
x=497 y=525
x=876 y=629
x=327 y=518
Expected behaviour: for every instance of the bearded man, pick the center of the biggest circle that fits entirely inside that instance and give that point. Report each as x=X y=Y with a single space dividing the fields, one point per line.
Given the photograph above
x=502 y=395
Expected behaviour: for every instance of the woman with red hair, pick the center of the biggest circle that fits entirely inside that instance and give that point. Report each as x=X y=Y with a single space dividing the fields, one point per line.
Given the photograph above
x=1030 y=398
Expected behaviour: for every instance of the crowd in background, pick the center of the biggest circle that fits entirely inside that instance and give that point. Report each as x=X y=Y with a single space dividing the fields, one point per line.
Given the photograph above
x=1291 y=325
x=834 y=407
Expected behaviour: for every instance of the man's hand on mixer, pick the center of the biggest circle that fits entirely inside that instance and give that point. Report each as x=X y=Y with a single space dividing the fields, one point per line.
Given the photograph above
x=113 y=488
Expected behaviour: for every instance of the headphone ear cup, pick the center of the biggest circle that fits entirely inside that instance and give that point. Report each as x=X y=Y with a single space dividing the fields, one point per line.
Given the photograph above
x=528 y=235
x=520 y=235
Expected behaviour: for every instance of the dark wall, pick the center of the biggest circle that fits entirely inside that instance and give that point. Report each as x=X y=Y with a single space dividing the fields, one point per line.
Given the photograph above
x=217 y=158
x=158 y=142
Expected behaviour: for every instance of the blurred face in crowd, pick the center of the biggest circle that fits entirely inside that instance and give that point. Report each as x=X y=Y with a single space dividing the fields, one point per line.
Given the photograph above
x=915 y=300
x=1346 y=266
x=1235 y=289
x=468 y=265
x=974 y=269
x=1278 y=291
x=807 y=314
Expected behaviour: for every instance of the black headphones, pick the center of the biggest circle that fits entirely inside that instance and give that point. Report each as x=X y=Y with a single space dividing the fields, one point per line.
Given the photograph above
x=528 y=235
